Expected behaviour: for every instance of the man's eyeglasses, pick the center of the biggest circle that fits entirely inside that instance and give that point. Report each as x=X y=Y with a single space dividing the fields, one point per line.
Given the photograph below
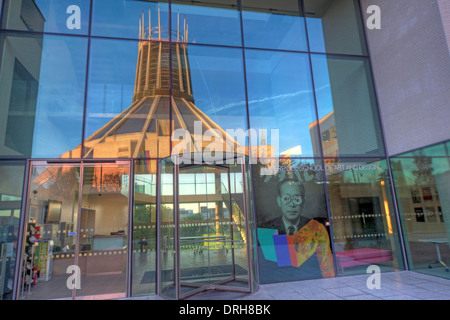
x=295 y=200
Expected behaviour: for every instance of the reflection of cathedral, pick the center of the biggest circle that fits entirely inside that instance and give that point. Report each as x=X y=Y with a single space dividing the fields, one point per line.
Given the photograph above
x=143 y=130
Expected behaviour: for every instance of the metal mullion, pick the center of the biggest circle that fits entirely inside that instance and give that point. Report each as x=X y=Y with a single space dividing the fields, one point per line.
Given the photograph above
x=130 y=228
x=194 y=166
x=207 y=223
x=176 y=228
x=171 y=126
x=21 y=231
x=2 y=6
x=77 y=243
x=447 y=152
x=86 y=79
x=38 y=33
x=231 y=224
x=158 y=229
x=247 y=227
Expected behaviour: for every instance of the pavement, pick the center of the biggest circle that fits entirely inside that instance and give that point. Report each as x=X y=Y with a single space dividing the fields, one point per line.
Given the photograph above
x=402 y=285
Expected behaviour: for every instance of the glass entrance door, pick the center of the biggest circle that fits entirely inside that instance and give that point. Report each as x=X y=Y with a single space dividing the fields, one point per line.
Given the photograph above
x=75 y=245
x=205 y=240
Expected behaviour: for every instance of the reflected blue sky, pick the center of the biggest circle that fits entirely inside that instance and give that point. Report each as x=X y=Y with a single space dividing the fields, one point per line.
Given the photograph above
x=217 y=74
x=315 y=35
x=280 y=95
x=121 y=18
x=208 y=25
x=59 y=111
x=112 y=72
x=324 y=97
x=273 y=31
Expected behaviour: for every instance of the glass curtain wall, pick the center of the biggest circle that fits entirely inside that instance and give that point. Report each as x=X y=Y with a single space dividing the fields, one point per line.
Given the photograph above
x=422 y=179
x=325 y=209
x=365 y=230
x=288 y=82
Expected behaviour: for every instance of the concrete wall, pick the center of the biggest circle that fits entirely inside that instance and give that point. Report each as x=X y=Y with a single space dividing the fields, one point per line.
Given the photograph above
x=411 y=66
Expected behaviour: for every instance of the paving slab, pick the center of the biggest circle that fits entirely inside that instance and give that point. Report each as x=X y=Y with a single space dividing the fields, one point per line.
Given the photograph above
x=402 y=285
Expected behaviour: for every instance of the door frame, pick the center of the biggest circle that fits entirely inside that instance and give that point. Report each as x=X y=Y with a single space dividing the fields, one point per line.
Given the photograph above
x=220 y=285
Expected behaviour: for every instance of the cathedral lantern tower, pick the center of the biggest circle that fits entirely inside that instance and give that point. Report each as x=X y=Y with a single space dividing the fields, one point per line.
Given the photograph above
x=153 y=68
x=163 y=101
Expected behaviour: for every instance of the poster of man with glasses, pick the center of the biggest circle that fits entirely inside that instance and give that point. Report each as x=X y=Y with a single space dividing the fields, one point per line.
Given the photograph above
x=293 y=236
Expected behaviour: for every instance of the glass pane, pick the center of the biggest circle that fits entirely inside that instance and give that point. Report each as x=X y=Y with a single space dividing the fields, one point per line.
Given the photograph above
x=281 y=102
x=293 y=229
x=274 y=25
x=58 y=16
x=19 y=83
x=11 y=178
x=144 y=228
x=111 y=83
x=325 y=35
x=364 y=225
x=204 y=224
x=241 y=223
x=167 y=233
x=209 y=22
x=128 y=100
x=208 y=111
x=129 y=18
x=42 y=86
x=51 y=232
x=104 y=231
x=422 y=182
x=236 y=182
x=348 y=116
x=438 y=150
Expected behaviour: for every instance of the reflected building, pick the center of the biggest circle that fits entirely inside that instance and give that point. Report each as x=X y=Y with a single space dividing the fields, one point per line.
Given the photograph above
x=163 y=102
x=19 y=80
x=328 y=135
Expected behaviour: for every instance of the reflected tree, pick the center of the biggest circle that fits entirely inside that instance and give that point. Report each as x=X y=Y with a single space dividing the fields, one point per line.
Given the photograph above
x=424 y=173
